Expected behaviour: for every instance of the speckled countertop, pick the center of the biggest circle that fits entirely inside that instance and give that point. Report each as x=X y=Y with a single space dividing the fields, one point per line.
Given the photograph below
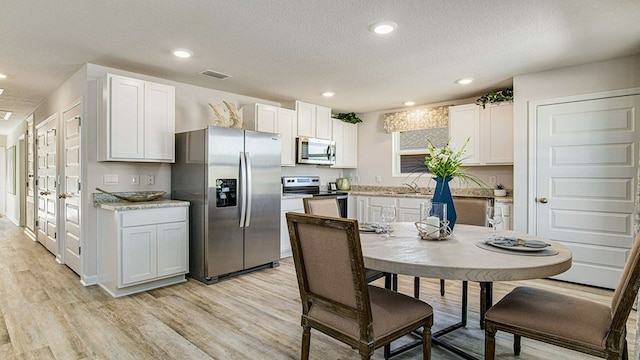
x=108 y=202
x=125 y=205
x=295 y=196
x=396 y=191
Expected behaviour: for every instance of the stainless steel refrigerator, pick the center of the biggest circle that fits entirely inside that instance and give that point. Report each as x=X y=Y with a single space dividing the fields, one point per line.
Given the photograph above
x=232 y=179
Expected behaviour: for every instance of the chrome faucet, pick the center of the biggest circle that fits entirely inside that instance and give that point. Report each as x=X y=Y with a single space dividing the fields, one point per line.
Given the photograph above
x=413 y=186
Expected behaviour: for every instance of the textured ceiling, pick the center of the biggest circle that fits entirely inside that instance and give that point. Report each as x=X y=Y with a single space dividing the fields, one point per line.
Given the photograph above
x=296 y=49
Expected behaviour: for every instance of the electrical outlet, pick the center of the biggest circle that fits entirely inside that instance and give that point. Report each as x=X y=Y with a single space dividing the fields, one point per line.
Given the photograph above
x=135 y=179
x=149 y=179
x=492 y=180
x=378 y=178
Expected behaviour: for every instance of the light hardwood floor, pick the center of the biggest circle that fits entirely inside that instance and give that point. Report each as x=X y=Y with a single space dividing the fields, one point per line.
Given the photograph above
x=47 y=314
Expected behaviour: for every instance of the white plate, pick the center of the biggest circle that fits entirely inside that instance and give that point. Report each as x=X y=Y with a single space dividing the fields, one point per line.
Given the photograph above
x=366 y=229
x=515 y=248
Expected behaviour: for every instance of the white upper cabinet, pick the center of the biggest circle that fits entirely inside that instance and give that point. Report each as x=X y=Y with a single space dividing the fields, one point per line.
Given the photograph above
x=273 y=119
x=136 y=120
x=464 y=123
x=314 y=121
x=497 y=137
x=346 y=137
x=490 y=131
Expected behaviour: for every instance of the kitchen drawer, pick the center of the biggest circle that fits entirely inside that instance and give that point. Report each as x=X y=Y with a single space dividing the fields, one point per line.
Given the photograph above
x=412 y=203
x=153 y=216
x=382 y=201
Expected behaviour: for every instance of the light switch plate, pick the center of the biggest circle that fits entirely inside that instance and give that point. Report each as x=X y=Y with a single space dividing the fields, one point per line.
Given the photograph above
x=110 y=179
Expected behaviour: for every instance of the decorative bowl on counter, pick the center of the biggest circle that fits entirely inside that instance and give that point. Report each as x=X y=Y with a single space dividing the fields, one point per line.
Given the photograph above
x=137 y=197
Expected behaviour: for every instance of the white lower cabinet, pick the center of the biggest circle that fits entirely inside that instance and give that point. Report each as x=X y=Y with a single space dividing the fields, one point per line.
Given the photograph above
x=409 y=209
x=375 y=207
x=357 y=208
x=288 y=205
x=142 y=249
x=506 y=215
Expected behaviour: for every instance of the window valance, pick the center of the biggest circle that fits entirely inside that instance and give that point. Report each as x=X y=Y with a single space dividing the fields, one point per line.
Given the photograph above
x=427 y=118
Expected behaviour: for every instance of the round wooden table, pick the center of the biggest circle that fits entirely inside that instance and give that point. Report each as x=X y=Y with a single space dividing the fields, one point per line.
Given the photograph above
x=460 y=258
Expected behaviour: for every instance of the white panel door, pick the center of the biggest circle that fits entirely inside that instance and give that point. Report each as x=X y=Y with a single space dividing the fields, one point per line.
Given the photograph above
x=31 y=183
x=47 y=184
x=70 y=194
x=586 y=168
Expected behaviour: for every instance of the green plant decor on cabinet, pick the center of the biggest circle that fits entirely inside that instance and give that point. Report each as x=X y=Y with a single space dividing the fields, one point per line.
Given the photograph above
x=351 y=117
x=495 y=97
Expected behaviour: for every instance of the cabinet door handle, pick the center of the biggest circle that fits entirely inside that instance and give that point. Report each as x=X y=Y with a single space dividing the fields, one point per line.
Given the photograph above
x=543 y=200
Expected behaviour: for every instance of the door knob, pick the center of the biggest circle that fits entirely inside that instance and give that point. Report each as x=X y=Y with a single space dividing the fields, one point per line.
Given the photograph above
x=543 y=200
x=62 y=196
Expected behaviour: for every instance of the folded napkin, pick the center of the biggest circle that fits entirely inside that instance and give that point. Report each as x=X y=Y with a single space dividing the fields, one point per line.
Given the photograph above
x=514 y=241
x=375 y=227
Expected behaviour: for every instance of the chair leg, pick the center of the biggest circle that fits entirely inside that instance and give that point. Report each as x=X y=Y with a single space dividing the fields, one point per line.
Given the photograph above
x=517 y=340
x=426 y=343
x=489 y=343
x=306 y=341
x=416 y=287
x=441 y=287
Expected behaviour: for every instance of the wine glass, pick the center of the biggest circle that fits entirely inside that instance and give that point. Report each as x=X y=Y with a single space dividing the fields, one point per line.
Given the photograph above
x=388 y=213
x=494 y=216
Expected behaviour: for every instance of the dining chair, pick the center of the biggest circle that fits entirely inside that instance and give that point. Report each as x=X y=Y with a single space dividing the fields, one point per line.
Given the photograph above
x=574 y=323
x=329 y=207
x=336 y=299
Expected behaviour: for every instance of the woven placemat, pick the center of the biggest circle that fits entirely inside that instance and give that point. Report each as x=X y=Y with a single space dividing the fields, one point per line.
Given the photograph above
x=545 y=252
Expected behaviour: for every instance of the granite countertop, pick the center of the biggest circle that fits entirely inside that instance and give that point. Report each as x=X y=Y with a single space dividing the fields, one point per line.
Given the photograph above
x=401 y=192
x=127 y=205
x=295 y=196
x=109 y=202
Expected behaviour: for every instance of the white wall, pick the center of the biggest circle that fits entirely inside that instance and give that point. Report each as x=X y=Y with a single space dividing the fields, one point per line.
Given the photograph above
x=375 y=152
x=622 y=73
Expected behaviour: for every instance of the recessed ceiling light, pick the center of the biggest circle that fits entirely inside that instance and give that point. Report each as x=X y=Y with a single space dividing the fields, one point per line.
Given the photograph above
x=3 y=76
x=464 y=81
x=7 y=114
x=383 y=27
x=328 y=93
x=409 y=103
x=182 y=53
x=1 y=91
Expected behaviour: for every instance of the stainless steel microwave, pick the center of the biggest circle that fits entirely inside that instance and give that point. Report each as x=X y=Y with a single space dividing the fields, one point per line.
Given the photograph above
x=316 y=151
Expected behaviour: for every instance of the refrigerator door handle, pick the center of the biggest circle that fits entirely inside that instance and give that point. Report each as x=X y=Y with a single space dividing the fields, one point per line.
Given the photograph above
x=243 y=189
x=248 y=192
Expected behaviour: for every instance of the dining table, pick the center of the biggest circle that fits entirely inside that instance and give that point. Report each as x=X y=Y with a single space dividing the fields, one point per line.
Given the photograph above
x=464 y=255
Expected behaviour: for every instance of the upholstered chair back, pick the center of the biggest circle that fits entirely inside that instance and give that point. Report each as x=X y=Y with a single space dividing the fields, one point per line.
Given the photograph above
x=321 y=206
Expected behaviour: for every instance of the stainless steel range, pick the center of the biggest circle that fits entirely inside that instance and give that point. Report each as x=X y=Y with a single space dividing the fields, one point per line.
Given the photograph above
x=311 y=185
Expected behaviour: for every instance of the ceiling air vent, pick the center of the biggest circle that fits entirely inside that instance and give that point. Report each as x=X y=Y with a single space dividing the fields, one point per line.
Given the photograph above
x=215 y=74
